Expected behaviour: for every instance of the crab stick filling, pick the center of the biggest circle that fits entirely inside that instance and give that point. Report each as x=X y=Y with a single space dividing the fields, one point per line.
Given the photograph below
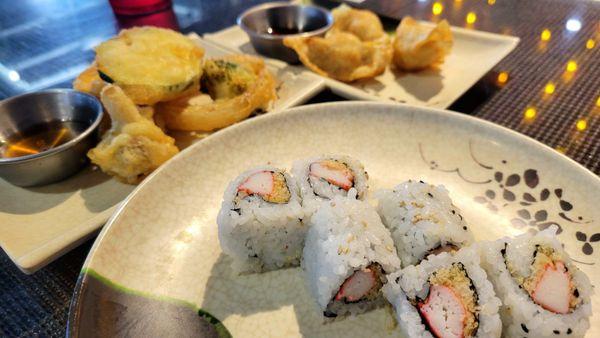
x=450 y=307
x=270 y=186
x=333 y=172
x=550 y=284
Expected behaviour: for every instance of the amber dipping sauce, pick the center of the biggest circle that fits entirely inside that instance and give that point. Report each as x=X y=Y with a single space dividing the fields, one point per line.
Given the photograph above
x=40 y=138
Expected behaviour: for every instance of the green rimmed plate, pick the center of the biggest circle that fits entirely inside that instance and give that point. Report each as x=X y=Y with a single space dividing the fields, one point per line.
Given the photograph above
x=157 y=268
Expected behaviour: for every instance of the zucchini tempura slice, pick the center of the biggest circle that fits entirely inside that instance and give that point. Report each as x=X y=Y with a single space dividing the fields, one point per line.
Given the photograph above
x=237 y=85
x=150 y=64
x=134 y=146
x=418 y=47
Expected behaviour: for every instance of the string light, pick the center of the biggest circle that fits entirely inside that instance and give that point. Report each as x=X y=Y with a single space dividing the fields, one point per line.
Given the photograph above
x=549 y=88
x=546 y=34
x=471 y=18
x=437 y=8
x=581 y=125
x=590 y=44
x=502 y=77
x=530 y=113
x=571 y=66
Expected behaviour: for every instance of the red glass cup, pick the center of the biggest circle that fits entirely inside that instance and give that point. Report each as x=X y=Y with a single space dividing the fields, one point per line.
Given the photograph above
x=138 y=7
x=165 y=19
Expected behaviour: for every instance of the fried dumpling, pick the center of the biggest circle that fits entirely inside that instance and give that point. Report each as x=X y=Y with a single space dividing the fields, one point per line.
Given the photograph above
x=341 y=56
x=362 y=23
x=417 y=46
x=355 y=48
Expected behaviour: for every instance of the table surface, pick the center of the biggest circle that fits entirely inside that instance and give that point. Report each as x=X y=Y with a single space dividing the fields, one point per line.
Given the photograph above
x=45 y=44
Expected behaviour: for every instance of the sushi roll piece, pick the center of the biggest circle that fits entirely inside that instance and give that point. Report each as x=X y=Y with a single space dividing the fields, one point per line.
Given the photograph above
x=322 y=178
x=543 y=293
x=347 y=254
x=445 y=296
x=260 y=221
x=422 y=219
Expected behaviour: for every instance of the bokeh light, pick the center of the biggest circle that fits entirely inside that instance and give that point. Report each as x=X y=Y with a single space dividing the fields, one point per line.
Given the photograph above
x=437 y=8
x=14 y=76
x=590 y=44
x=581 y=125
x=571 y=66
x=546 y=34
x=530 y=113
x=573 y=25
x=549 y=88
x=491 y=2
x=471 y=18
x=502 y=77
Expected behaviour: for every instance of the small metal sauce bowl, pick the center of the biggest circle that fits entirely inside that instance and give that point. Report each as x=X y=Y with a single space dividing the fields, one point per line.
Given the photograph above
x=21 y=113
x=261 y=21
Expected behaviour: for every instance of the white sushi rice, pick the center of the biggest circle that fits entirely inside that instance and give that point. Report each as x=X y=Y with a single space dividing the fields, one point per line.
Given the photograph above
x=258 y=235
x=421 y=217
x=345 y=235
x=521 y=316
x=412 y=282
x=314 y=190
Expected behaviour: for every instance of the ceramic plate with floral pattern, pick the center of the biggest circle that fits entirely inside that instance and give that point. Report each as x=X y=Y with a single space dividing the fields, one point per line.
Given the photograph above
x=157 y=268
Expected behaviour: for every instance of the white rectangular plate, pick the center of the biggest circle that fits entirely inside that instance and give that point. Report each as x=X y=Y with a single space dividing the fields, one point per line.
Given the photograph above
x=38 y=225
x=474 y=54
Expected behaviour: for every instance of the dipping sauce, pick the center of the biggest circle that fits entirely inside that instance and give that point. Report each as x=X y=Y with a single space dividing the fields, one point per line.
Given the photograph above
x=41 y=138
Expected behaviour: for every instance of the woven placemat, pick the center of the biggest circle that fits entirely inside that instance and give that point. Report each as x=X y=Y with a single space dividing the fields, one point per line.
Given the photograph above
x=37 y=305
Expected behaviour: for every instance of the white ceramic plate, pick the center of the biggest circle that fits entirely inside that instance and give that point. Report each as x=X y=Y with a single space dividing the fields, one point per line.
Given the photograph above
x=158 y=263
x=37 y=225
x=473 y=55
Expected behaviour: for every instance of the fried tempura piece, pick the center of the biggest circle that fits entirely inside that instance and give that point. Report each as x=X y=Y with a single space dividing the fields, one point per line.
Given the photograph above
x=417 y=47
x=134 y=146
x=89 y=81
x=237 y=85
x=355 y=48
x=150 y=64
